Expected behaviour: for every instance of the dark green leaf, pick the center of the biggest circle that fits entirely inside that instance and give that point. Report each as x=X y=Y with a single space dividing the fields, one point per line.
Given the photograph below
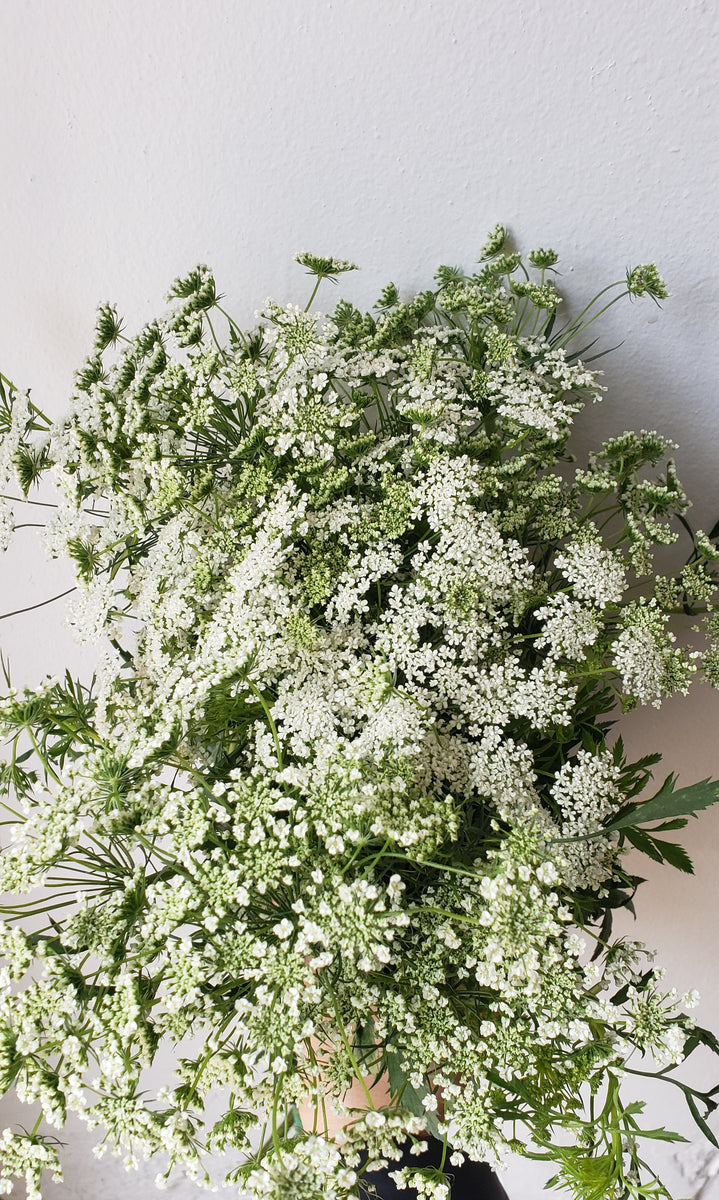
x=411 y=1097
x=660 y=850
x=645 y=844
x=668 y=804
x=699 y=1119
x=677 y=823
x=676 y=856
x=699 y=1036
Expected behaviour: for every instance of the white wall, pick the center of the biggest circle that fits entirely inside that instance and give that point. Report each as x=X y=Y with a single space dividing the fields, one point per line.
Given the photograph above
x=138 y=138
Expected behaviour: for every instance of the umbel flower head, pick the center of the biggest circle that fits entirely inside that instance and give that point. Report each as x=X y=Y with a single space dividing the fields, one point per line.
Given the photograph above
x=341 y=799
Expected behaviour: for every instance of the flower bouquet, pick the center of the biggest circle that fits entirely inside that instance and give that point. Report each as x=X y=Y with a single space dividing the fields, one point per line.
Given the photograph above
x=339 y=807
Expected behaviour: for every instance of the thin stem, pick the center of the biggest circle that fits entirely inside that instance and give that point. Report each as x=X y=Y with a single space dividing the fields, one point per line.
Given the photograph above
x=567 y=337
x=24 y=500
x=221 y=349
x=94 y=512
x=233 y=324
x=576 y=324
x=441 y=912
x=13 y=386
x=355 y=1065
x=314 y=292
x=43 y=759
x=275 y=1135
x=270 y=721
x=426 y=862
x=32 y=607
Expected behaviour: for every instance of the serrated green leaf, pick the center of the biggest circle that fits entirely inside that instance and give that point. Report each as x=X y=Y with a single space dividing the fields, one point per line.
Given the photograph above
x=666 y=826
x=703 y=1037
x=660 y=850
x=662 y=1135
x=668 y=804
x=676 y=856
x=645 y=844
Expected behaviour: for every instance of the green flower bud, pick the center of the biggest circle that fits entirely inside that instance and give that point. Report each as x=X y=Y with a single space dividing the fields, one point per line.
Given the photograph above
x=645 y=280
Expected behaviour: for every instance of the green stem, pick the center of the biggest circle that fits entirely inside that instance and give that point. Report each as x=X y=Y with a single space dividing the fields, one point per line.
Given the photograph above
x=576 y=324
x=31 y=607
x=376 y=857
x=275 y=1134
x=43 y=759
x=567 y=337
x=270 y=721
x=355 y=1065
x=440 y=912
x=314 y=292
x=426 y=862
x=232 y=324
x=221 y=349
x=24 y=500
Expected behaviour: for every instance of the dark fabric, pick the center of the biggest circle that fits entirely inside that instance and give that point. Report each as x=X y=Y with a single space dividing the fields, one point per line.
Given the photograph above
x=471 y=1181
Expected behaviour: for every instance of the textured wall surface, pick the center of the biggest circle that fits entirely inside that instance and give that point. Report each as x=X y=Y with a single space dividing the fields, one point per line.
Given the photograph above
x=140 y=137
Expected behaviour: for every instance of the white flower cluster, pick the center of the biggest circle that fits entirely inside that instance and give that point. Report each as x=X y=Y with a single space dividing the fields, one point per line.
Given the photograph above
x=26 y=1158
x=7 y=524
x=588 y=793
x=651 y=667
x=595 y=573
x=334 y=803
x=538 y=388
x=310 y=1169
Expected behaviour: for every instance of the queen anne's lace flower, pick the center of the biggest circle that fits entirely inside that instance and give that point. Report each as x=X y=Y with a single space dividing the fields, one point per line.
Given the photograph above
x=595 y=573
x=337 y=798
x=569 y=627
